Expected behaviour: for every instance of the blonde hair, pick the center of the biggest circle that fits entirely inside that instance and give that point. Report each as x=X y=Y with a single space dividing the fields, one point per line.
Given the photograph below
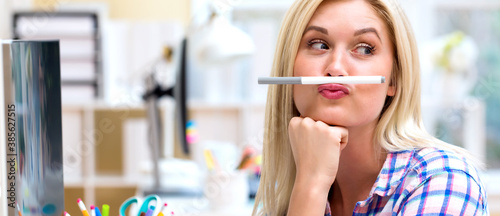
x=400 y=125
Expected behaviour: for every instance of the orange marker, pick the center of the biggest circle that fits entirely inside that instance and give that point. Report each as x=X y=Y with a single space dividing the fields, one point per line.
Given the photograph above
x=82 y=207
x=18 y=210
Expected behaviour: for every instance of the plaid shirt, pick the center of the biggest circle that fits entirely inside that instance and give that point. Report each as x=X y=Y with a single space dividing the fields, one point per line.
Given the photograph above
x=428 y=181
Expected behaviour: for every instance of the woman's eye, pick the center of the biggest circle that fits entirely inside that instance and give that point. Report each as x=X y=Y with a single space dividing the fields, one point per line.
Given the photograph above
x=320 y=45
x=364 y=49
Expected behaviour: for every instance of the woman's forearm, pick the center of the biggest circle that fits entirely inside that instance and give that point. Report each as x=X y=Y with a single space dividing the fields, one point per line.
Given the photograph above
x=307 y=198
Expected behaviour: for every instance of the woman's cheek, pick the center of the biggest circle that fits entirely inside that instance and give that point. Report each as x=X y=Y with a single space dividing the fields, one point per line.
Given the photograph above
x=299 y=98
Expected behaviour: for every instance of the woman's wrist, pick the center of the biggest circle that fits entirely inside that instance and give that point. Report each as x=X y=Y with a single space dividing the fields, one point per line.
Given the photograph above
x=317 y=184
x=307 y=198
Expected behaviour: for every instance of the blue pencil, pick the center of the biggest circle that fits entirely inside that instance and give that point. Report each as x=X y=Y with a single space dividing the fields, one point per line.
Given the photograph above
x=97 y=212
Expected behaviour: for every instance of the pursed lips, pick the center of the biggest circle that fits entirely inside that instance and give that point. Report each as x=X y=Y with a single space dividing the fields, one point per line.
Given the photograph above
x=333 y=91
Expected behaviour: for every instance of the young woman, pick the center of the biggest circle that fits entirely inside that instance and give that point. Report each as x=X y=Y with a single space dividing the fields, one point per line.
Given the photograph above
x=356 y=149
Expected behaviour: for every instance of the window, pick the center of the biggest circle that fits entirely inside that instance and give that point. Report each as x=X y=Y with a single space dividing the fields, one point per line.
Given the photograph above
x=481 y=22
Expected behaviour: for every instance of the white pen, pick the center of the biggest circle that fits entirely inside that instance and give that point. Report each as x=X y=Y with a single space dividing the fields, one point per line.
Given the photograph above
x=323 y=80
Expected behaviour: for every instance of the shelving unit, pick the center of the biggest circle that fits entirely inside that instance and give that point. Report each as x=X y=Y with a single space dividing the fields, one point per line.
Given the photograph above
x=239 y=123
x=85 y=134
x=79 y=37
x=87 y=130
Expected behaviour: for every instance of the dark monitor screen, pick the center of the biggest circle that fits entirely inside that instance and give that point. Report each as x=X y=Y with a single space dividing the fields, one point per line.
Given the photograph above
x=178 y=92
x=180 y=98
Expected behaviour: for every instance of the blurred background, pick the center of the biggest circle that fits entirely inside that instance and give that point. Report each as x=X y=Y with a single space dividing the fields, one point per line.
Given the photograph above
x=123 y=130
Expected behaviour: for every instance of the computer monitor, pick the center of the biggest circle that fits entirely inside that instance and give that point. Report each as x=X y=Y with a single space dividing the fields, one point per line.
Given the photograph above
x=180 y=96
x=178 y=92
x=154 y=91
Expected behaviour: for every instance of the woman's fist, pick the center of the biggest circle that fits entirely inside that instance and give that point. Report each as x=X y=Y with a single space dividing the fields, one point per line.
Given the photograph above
x=316 y=149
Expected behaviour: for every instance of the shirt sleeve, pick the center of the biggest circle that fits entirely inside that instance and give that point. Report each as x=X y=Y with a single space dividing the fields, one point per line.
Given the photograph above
x=446 y=193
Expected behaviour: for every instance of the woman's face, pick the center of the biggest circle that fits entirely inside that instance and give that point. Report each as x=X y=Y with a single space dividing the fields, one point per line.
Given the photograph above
x=344 y=38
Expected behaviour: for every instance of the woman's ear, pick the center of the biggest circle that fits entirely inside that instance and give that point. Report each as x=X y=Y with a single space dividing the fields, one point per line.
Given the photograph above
x=391 y=91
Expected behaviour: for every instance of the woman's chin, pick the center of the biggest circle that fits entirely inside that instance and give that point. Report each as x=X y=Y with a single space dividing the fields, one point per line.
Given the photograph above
x=328 y=121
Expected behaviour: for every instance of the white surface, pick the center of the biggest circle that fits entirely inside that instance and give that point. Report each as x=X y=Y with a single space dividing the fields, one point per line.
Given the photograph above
x=239 y=123
x=217 y=46
x=227 y=191
x=21 y=4
x=131 y=49
x=200 y=206
x=474 y=136
x=77 y=70
x=264 y=33
x=72 y=144
x=3 y=159
x=44 y=26
x=5 y=19
x=175 y=175
x=81 y=48
x=136 y=147
x=75 y=33
x=226 y=154
x=77 y=94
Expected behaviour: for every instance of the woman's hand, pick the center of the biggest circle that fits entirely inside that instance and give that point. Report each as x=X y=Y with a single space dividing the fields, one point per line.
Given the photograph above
x=316 y=149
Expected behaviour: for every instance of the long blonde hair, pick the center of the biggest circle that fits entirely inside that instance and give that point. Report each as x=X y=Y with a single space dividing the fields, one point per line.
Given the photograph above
x=400 y=125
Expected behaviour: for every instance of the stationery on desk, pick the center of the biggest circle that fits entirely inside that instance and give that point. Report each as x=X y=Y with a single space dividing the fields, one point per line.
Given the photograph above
x=105 y=210
x=18 y=209
x=144 y=205
x=81 y=205
x=147 y=207
x=97 y=212
x=92 y=210
x=248 y=159
x=211 y=162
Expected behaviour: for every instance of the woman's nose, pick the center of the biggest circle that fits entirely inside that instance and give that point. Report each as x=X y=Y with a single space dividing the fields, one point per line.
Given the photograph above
x=337 y=65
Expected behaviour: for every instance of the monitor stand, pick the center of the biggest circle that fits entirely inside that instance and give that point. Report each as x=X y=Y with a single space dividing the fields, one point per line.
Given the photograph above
x=175 y=188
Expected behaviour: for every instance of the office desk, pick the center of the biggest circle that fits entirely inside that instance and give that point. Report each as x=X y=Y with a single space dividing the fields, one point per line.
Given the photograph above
x=200 y=206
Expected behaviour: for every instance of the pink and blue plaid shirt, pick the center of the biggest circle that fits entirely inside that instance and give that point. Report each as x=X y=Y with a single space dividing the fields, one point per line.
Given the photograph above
x=428 y=181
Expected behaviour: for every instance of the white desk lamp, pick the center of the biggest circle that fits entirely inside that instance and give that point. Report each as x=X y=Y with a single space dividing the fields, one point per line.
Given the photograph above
x=222 y=42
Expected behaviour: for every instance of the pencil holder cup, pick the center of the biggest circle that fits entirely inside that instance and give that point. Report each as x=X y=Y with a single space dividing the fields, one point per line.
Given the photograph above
x=227 y=190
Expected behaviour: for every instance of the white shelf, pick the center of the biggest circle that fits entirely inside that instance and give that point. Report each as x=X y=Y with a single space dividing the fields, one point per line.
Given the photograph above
x=203 y=105
x=79 y=42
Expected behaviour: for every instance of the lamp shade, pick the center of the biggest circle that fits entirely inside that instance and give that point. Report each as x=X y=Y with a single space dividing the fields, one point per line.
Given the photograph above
x=223 y=43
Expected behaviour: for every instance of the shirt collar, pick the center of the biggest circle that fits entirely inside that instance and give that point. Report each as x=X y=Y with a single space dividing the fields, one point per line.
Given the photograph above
x=395 y=167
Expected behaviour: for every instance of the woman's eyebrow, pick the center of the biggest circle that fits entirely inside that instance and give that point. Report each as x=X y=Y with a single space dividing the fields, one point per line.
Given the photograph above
x=316 y=28
x=367 y=30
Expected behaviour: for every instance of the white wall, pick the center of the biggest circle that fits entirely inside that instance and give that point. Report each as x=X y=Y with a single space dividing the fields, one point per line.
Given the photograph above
x=6 y=9
x=21 y=4
x=5 y=14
